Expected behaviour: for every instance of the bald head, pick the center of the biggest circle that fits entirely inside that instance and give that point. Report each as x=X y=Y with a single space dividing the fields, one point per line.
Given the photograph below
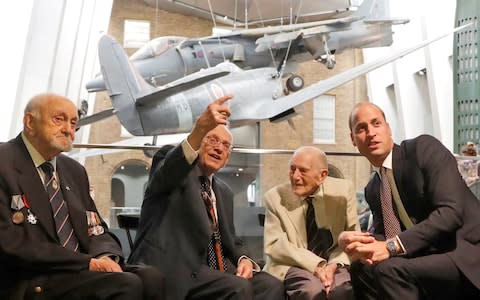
x=315 y=155
x=308 y=170
x=49 y=124
x=353 y=113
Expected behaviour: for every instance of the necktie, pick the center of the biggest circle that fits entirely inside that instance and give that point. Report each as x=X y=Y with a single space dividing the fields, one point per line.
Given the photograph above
x=63 y=226
x=319 y=239
x=390 y=221
x=215 y=253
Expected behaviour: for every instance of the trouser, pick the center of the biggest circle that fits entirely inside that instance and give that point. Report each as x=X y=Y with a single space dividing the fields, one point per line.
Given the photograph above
x=213 y=284
x=303 y=285
x=427 y=277
x=137 y=282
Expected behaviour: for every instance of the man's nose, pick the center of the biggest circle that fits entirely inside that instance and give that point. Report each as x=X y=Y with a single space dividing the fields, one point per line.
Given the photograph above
x=371 y=131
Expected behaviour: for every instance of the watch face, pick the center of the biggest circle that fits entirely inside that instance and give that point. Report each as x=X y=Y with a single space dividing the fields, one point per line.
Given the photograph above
x=392 y=249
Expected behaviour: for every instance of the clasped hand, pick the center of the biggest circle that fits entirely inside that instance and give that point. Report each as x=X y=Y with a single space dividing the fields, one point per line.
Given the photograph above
x=104 y=264
x=245 y=268
x=326 y=275
x=363 y=246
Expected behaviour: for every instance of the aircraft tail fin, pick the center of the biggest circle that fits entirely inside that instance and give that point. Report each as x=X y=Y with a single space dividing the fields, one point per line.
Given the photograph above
x=123 y=83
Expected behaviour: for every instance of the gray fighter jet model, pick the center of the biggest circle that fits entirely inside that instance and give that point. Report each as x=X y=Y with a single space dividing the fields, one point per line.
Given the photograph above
x=168 y=58
x=173 y=108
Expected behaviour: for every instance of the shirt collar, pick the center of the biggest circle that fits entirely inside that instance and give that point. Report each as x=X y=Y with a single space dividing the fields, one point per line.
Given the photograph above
x=318 y=194
x=387 y=163
x=37 y=158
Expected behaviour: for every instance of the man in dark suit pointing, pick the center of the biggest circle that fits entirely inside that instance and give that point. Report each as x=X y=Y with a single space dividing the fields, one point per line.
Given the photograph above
x=426 y=237
x=53 y=243
x=186 y=223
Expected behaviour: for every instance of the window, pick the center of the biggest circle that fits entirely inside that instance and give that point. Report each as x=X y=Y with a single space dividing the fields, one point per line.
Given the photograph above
x=136 y=33
x=324 y=120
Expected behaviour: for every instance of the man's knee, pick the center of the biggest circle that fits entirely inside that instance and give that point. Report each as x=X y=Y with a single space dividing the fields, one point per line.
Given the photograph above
x=386 y=269
x=343 y=292
x=240 y=286
x=153 y=281
x=129 y=283
x=267 y=286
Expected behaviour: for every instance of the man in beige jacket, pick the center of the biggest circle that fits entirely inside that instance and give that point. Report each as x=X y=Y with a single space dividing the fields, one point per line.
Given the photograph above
x=302 y=224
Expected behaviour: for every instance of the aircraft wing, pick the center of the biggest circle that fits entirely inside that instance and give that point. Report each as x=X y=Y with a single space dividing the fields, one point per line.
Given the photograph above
x=151 y=98
x=270 y=41
x=96 y=117
x=273 y=108
x=257 y=32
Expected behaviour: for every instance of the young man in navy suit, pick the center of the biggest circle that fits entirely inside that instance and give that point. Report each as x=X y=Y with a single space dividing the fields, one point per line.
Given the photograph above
x=426 y=241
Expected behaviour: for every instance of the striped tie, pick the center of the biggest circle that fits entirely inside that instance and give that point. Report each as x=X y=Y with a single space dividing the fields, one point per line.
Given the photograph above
x=63 y=225
x=319 y=239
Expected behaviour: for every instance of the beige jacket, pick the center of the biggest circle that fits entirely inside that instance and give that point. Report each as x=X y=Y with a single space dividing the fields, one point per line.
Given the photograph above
x=285 y=237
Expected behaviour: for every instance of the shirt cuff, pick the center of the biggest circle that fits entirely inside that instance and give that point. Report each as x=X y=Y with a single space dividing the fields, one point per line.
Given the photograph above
x=114 y=257
x=190 y=154
x=256 y=267
x=402 y=248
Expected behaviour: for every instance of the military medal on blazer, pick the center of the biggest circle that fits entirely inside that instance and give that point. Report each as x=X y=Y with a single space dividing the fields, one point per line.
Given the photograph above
x=94 y=223
x=18 y=217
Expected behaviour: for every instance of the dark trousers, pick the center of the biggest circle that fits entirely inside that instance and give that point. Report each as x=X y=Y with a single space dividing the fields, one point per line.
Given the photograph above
x=137 y=282
x=427 y=277
x=212 y=284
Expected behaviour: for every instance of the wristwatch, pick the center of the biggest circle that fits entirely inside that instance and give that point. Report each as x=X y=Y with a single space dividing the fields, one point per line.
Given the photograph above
x=392 y=247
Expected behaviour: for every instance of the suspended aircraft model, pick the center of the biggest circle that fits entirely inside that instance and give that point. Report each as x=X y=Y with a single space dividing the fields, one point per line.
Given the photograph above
x=168 y=58
x=258 y=93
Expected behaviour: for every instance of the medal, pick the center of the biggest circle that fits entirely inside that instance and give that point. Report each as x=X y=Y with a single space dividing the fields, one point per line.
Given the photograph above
x=31 y=218
x=18 y=217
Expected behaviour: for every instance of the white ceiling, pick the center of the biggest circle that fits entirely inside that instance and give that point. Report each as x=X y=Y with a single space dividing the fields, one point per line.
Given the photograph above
x=255 y=11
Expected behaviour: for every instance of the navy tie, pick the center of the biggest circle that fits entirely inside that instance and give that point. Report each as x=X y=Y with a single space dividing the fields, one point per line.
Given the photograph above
x=63 y=225
x=215 y=252
x=319 y=239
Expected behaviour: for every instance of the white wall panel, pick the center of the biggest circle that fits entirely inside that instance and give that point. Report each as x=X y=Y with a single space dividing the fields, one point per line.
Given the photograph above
x=420 y=105
x=60 y=52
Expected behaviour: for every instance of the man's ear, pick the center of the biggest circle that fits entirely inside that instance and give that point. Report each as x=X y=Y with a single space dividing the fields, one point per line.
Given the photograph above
x=28 y=123
x=324 y=173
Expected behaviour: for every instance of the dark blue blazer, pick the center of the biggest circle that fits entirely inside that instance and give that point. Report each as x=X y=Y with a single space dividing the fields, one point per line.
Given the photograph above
x=30 y=252
x=445 y=213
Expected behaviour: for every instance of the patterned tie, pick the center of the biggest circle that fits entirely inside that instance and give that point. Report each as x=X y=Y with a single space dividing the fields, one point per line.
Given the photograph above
x=63 y=226
x=215 y=253
x=390 y=221
x=319 y=239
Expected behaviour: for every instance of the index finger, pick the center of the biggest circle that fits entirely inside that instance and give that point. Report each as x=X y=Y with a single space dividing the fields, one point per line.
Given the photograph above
x=223 y=99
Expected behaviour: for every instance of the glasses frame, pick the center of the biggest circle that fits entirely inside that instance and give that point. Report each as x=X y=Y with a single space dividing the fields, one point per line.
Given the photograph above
x=215 y=141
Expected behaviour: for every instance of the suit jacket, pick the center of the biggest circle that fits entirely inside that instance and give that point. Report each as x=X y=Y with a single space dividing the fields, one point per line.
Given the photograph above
x=174 y=229
x=444 y=211
x=285 y=238
x=30 y=252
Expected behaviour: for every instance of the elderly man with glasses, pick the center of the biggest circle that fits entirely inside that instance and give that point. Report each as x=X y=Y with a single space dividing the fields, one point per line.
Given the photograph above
x=186 y=224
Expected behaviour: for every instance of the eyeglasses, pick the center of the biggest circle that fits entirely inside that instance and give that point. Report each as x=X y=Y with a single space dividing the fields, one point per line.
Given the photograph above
x=215 y=141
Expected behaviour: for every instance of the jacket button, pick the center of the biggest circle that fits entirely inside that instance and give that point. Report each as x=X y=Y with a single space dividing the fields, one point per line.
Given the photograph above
x=194 y=275
x=37 y=289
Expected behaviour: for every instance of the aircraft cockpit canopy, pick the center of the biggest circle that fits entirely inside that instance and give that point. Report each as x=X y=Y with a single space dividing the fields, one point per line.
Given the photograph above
x=157 y=46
